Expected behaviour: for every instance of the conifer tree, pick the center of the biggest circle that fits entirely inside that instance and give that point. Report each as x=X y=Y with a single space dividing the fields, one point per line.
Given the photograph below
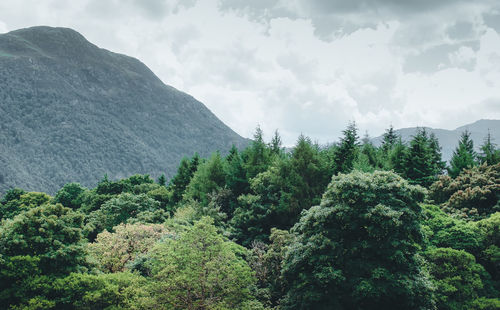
x=162 y=180
x=276 y=143
x=419 y=160
x=390 y=138
x=464 y=155
x=489 y=154
x=347 y=152
x=437 y=163
x=257 y=155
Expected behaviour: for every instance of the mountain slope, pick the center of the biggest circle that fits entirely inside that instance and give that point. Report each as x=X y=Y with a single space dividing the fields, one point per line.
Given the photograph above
x=70 y=111
x=448 y=139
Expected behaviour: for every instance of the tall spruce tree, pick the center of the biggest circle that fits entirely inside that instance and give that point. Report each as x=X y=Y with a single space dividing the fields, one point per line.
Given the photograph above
x=257 y=155
x=348 y=149
x=390 y=138
x=419 y=167
x=489 y=154
x=464 y=155
x=438 y=164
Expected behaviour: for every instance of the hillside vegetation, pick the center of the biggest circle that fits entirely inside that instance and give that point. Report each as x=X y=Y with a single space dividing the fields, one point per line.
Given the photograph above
x=349 y=226
x=70 y=111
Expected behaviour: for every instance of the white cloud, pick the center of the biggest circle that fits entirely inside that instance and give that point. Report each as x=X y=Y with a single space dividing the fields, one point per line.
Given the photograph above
x=299 y=67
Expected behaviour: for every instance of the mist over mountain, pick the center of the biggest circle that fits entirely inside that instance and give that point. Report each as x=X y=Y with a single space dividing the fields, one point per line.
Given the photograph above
x=71 y=111
x=448 y=139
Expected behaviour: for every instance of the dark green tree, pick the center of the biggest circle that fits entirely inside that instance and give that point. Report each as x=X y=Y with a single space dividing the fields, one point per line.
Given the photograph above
x=419 y=168
x=180 y=181
x=347 y=151
x=209 y=177
x=257 y=156
x=276 y=144
x=358 y=249
x=162 y=180
x=464 y=156
x=438 y=164
x=390 y=138
x=489 y=153
x=70 y=195
x=36 y=247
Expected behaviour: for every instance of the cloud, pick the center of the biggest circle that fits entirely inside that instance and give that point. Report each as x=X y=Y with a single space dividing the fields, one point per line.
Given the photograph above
x=303 y=66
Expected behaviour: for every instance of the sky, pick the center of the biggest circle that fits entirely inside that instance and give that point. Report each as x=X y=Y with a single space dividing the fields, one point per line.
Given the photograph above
x=302 y=66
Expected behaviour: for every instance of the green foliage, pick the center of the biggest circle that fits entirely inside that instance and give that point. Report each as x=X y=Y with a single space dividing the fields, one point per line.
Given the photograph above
x=16 y=201
x=122 y=209
x=70 y=195
x=489 y=153
x=200 y=270
x=113 y=251
x=347 y=151
x=471 y=195
x=181 y=180
x=456 y=277
x=358 y=249
x=464 y=155
x=36 y=246
x=420 y=160
x=209 y=177
x=267 y=260
x=257 y=156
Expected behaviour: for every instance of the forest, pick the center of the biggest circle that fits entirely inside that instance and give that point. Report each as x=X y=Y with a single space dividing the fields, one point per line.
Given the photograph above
x=346 y=226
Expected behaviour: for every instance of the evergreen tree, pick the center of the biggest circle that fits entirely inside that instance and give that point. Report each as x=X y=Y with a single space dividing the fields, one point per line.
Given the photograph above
x=438 y=164
x=181 y=180
x=162 y=180
x=489 y=154
x=464 y=155
x=419 y=160
x=390 y=138
x=348 y=149
x=276 y=144
x=209 y=177
x=397 y=157
x=257 y=155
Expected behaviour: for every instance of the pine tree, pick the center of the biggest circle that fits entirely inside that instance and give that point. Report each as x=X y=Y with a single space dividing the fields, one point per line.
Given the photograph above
x=347 y=152
x=419 y=160
x=162 y=180
x=276 y=143
x=464 y=155
x=181 y=180
x=438 y=164
x=390 y=138
x=257 y=155
x=489 y=154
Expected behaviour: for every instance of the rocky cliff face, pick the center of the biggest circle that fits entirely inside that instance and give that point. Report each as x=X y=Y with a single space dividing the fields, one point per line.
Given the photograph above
x=72 y=112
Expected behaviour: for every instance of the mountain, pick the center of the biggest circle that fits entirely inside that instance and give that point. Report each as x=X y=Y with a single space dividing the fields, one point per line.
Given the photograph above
x=448 y=139
x=73 y=112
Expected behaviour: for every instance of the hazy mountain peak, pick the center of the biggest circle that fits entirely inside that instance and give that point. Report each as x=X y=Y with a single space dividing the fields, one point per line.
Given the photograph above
x=72 y=112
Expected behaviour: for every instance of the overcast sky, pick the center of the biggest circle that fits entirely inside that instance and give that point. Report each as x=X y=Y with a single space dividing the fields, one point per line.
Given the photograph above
x=302 y=66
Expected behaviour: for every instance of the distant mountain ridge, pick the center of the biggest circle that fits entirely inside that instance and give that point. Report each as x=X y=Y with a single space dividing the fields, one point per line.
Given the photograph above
x=70 y=111
x=448 y=139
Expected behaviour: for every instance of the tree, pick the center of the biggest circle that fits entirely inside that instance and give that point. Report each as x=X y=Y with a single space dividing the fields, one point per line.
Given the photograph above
x=419 y=160
x=113 y=251
x=257 y=155
x=348 y=149
x=276 y=144
x=123 y=209
x=162 y=180
x=70 y=195
x=438 y=165
x=358 y=249
x=390 y=138
x=489 y=154
x=200 y=270
x=209 y=177
x=456 y=276
x=464 y=155
x=471 y=195
x=17 y=201
x=37 y=246
x=181 y=180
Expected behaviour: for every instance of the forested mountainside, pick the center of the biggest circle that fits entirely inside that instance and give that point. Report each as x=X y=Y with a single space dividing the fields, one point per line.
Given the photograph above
x=70 y=111
x=449 y=138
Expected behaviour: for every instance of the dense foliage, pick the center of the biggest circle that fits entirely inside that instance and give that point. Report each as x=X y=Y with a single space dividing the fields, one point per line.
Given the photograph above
x=342 y=226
